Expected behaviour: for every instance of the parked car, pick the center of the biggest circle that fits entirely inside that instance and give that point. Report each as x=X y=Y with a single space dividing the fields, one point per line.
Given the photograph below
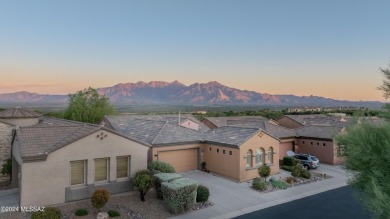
x=308 y=161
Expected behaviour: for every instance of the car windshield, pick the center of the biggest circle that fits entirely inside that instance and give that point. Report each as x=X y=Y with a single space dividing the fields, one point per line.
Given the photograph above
x=313 y=158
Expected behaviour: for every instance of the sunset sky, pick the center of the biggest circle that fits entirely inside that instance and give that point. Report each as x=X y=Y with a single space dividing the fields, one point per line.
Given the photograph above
x=328 y=48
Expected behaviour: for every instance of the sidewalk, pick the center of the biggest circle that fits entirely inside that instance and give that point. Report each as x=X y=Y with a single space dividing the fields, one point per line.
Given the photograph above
x=232 y=199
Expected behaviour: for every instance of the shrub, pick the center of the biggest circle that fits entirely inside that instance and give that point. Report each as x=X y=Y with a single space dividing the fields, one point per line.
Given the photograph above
x=279 y=184
x=290 y=180
x=99 y=198
x=7 y=168
x=48 y=213
x=113 y=213
x=287 y=168
x=163 y=177
x=202 y=194
x=162 y=167
x=290 y=161
x=259 y=184
x=264 y=171
x=296 y=171
x=81 y=212
x=143 y=181
x=305 y=174
x=179 y=195
x=203 y=165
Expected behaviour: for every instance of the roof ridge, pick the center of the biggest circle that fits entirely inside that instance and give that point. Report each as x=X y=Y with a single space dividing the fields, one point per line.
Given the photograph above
x=159 y=132
x=242 y=127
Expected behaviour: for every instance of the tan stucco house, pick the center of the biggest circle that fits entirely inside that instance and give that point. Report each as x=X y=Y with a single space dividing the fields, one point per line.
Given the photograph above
x=57 y=161
x=232 y=152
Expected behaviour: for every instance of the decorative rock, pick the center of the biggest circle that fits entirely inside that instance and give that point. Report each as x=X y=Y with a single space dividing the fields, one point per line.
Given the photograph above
x=102 y=215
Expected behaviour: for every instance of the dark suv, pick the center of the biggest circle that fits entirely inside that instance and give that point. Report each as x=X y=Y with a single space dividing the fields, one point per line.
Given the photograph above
x=308 y=161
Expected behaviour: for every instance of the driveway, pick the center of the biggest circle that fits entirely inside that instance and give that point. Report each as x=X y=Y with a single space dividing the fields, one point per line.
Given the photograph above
x=232 y=199
x=9 y=198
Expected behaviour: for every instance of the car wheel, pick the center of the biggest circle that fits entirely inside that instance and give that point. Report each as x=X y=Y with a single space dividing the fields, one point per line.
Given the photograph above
x=306 y=167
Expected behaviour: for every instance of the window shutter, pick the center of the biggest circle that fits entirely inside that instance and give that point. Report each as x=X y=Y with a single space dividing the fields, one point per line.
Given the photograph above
x=77 y=172
x=101 y=169
x=122 y=167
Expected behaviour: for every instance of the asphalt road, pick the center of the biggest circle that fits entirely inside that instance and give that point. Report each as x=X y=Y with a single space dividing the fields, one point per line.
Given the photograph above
x=341 y=203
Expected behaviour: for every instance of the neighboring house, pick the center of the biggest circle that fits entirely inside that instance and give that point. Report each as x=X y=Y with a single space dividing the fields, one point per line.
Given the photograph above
x=10 y=119
x=216 y=122
x=57 y=161
x=297 y=121
x=224 y=149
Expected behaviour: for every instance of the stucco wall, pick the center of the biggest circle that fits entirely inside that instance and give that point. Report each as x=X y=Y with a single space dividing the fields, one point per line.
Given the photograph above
x=5 y=142
x=43 y=183
x=285 y=146
x=222 y=164
x=326 y=154
x=22 y=122
x=288 y=123
x=260 y=140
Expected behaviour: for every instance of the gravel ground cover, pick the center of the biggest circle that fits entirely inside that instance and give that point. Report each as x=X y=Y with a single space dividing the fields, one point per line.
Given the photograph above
x=128 y=205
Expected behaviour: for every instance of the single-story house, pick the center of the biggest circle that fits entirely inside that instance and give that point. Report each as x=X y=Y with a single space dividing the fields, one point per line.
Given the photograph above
x=57 y=161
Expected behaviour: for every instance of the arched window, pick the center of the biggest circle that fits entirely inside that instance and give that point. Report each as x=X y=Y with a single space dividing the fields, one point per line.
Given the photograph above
x=259 y=156
x=271 y=155
x=249 y=158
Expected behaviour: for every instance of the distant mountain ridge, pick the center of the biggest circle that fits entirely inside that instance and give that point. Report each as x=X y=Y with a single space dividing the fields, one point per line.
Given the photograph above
x=211 y=93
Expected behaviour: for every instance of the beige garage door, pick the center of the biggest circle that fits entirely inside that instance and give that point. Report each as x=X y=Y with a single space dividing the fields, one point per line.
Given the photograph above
x=182 y=160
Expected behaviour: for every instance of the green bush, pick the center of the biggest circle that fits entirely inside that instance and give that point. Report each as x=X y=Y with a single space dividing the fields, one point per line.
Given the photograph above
x=179 y=195
x=287 y=168
x=259 y=184
x=202 y=194
x=289 y=161
x=143 y=181
x=81 y=212
x=99 y=198
x=163 y=177
x=264 y=171
x=7 y=168
x=113 y=213
x=48 y=213
x=203 y=165
x=296 y=171
x=279 y=184
x=305 y=174
x=162 y=167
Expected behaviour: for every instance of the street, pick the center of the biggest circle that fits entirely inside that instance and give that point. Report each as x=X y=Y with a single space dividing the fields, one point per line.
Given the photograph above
x=340 y=203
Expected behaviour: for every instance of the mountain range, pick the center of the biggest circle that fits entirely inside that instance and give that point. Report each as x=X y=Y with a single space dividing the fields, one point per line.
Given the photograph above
x=211 y=93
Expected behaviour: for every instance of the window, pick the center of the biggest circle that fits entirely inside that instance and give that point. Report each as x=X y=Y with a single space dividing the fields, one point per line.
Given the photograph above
x=303 y=142
x=122 y=167
x=77 y=172
x=230 y=152
x=259 y=156
x=311 y=143
x=270 y=155
x=318 y=144
x=101 y=169
x=209 y=148
x=249 y=158
x=217 y=150
x=224 y=152
x=323 y=144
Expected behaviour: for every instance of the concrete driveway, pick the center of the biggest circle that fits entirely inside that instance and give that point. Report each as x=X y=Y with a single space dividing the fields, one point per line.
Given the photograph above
x=9 y=198
x=232 y=199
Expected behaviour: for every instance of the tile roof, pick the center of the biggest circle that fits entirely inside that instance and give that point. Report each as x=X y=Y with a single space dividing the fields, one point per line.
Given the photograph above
x=154 y=132
x=231 y=135
x=224 y=121
x=171 y=118
x=317 y=131
x=321 y=119
x=51 y=134
x=19 y=112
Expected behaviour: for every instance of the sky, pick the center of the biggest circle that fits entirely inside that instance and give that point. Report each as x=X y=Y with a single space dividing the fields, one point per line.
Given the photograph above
x=327 y=48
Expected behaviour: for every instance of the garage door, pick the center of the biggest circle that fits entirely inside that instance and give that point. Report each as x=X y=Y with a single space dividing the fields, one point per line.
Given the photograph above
x=182 y=160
